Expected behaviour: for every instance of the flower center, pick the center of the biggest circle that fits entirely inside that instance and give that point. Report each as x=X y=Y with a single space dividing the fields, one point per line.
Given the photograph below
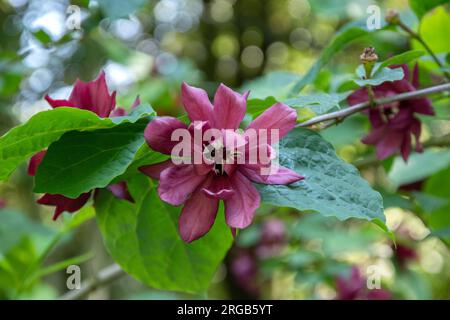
x=217 y=154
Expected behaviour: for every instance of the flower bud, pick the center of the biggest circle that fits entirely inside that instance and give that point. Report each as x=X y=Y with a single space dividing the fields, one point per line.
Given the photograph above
x=368 y=58
x=392 y=16
x=369 y=55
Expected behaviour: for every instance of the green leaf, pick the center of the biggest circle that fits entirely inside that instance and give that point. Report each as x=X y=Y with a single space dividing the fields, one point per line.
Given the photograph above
x=143 y=238
x=347 y=132
x=276 y=84
x=23 y=141
x=421 y=7
x=257 y=106
x=343 y=38
x=401 y=58
x=331 y=187
x=43 y=37
x=82 y=161
x=319 y=102
x=438 y=220
x=419 y=166
x=434 y=30
x=141 y=111
x=382 y=75
x=14 y=226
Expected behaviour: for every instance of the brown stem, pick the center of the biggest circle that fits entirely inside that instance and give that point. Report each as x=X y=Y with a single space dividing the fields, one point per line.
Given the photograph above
x=341 y=114
x=417 y=36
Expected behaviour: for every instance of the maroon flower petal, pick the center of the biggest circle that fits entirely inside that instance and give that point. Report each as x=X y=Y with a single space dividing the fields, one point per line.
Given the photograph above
x=177 y=183
x=405 y=148
x=159 y=132
x=197 y=216
x=240 y=208
x=358 y=96
x=196 y=103
x=120 y=190
x=118 y=112
x=35 y=161
x=282 y=176
x=154 y=170
x=379 y=294
x=136 y=103
x=389 y=144
x=94 y=96
x=278 y=117
x=219 y=188
x=375 y=118
x=59 y=103
x=350 y=288
x=420 y=105
x=229 y=108
x=63 y=203
x=416 y=129
x=375 y=136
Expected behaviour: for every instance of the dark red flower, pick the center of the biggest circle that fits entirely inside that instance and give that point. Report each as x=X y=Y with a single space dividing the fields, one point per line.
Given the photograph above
x=404 y=254
x=355 y=288
x=93 y=96
x=394 y=124
x=2 y=203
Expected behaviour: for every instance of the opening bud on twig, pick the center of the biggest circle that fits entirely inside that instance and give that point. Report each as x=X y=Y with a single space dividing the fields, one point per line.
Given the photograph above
x=392 y=16
x=368 y=58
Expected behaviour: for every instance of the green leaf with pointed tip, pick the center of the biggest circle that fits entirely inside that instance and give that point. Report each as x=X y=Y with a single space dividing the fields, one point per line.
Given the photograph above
x=319 y=102
x=331 y=186
x=418 y=167
x=23 y=141
x=401 y=58
x=383 y=75
x=275 y=84
x=82 y=161
x=143 y=239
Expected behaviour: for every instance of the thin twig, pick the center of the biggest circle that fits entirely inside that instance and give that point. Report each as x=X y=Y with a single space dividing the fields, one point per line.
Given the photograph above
x=103 y=278
x=417 y=36
x=341 y=114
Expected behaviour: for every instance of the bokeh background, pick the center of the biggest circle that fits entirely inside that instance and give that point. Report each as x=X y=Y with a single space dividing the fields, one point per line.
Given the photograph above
x=149 y=48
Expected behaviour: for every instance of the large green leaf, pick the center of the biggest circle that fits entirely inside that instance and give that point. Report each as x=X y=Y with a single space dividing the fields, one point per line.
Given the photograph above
x=22 y=142
x=82 y=161
x=419 y=166
x=434 y=30
x=143 y=238
x=438 y=220
x=421 y=7
x=331 y=187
